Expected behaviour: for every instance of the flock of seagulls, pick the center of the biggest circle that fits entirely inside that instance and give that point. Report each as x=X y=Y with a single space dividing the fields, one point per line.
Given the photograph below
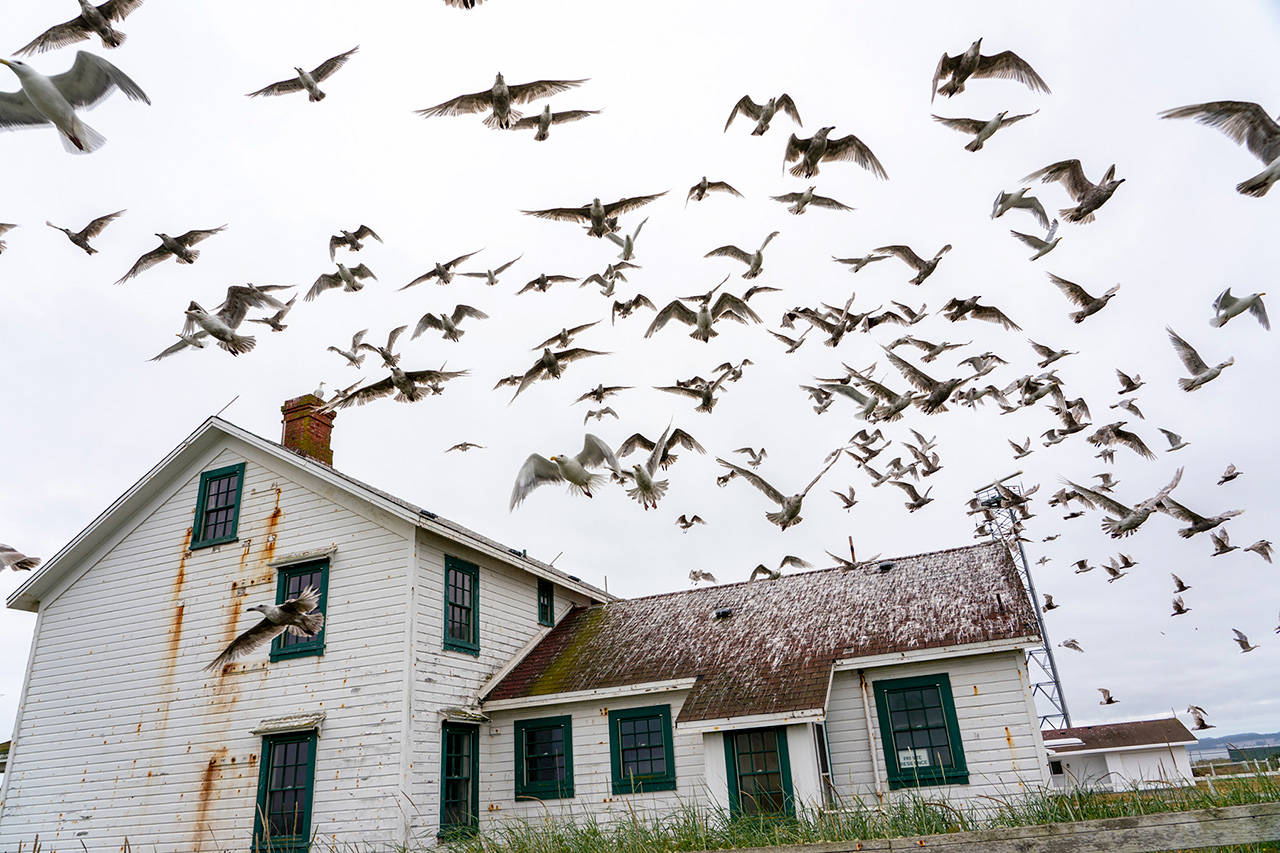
x=873 y=396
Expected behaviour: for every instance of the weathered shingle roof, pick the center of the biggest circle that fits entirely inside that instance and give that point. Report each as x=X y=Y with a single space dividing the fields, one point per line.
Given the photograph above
x=774 y=653
x=1114 y=735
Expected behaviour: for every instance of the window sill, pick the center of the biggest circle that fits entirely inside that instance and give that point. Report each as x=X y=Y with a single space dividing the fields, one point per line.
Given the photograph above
x=643 y=786
x=196 y=546
x=466 y=650
x=286 y=654
x=957 y=777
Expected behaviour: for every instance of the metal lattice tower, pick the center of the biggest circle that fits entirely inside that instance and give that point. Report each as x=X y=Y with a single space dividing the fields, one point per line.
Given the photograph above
x=1046 y=686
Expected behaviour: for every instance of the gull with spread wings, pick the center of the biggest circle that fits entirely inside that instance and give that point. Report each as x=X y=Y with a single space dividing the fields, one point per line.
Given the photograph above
x=1248 y=124
x=408 y=386
x=1201 y=373
x=349 y=279
x=763 y=113
x=498 y=100
x=543 y=121
x=788 y=514
x=1123 y=520
x=93 y=229
x=91 y=20
x=753 y=260
x=702 y=320
x=171 y=247
x=1088 y=195
x=923 y=268
x=550 y=365
x=982 y=129
x=296 y=616
x=1089 y=305
x=819 y=147
x=307 y=81
x=699 y=191
x=972 y=63
x=539 y=470
x=351 y=239
x=54 y=100
x=443 y=271
x=602 y=218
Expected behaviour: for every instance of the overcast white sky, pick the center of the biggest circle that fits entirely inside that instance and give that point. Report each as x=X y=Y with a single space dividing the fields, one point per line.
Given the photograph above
x=88 y=414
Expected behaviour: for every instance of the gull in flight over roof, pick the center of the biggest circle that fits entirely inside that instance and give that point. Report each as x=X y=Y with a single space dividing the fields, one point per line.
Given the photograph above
x=788 y=514
x=54 y=100
x=539 y=470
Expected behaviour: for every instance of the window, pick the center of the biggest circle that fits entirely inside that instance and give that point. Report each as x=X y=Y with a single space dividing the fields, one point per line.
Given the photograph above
x=546 y=602
x=640 y=750
x=459 y=780
x=290 y=583
x=919 y=732
x=544 y=758
x=461 y=610
x=285 y=788
x=759 y=772
x=218 y=506
x=1055 y=767
x=829 y=794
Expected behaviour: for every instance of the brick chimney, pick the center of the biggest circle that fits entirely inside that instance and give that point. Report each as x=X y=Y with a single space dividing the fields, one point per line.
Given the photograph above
x=307 y=427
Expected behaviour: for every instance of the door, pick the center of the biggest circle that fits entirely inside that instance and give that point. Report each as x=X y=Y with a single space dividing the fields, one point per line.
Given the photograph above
x=459 y=779
x=759 y=772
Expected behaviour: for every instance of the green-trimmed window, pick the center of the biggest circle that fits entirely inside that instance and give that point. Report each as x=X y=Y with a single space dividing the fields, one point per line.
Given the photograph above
x=218 y=506
x=290 y=583
x=919 y=732
x=461 y=606
x=459 y=780
x=546 y=602
x=759 y=772
x=286 y=784
x=544 y=758
x=640 y=750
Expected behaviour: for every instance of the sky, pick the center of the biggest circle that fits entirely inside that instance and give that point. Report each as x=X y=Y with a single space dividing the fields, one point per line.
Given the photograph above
x=88 y=414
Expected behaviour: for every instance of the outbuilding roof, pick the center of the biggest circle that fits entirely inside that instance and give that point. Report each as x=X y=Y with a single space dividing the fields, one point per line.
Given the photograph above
x=1161 y=732
x=772 y=648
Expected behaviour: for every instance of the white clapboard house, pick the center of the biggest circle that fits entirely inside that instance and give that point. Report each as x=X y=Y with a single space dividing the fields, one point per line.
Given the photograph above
x=458 y=683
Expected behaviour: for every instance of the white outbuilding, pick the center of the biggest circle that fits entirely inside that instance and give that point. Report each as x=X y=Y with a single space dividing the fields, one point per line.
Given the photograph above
x=1121 y=756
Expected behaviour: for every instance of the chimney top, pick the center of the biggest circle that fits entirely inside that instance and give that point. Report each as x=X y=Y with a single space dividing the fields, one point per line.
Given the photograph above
x=307 y=426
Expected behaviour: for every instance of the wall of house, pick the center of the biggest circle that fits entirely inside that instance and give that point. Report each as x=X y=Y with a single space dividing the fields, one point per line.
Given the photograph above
x=1085 y=771
x=998 y=728
x=802 y=755
x=508 y=599
x=593 y=774
x=1145 y=768
x=122 y=731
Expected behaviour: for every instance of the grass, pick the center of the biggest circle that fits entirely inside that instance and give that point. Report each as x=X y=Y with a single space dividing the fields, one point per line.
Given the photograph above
x=699 y=828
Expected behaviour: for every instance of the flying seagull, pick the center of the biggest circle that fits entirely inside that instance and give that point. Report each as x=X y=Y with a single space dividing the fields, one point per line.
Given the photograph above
x=923 y=268
x=856 y=264
x=498 y=100
x=1198 y=714
x=1222 y=543
x=444 y=272
x=1197 y=523
x=354 y=356
x=788 y=513
x=408 y=386
x=1008 y=201
x=684 y=522
x=448 y=323
x=1229 y=474
x=178 y=247
x=646 y=489
x=1049 y=602
x=1248 y=124
x=1088 y=195
x=222 y=323
x=538 y=470
x=349 y=279
x=464 y=446
x=959 y=309
x=91 y=20
x=1042 y=246
x=564 y=337
x=1089 y=305
x=491 y=276
x=1242 y=641
x=308 y=81
x=1123 y=520
x=1072 y=644
x=1180 y=607
x=550 y=365
x=351 y=239
x=601 y=391
x=699 y=191
x=677 y=438
x=1201 y=373
x=12 y=558
x=387 y=352
x=971 y=63
x=295 y=615
x=1178 y=585
x=982 y=129
x=602 y=218
x=276 y=320
x=1227 y=306
x=698 y=575
x=543 y=283
x=756 y=456
x=93 y=229
x=801 y=200
x=543 y=121
x=627 y=242
x=763 y=113
x=1262 y=548
x=54 y=100
x=753 y=260
x=1107 y=698
x=810 y=152
x=599 y=414
x=702 y=320
x=1175 y=440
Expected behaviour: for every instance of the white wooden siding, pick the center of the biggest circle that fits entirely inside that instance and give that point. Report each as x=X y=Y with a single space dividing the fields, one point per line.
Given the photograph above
x=592 y=770
x=508 y=614
x=123 y=733
x=998 y=728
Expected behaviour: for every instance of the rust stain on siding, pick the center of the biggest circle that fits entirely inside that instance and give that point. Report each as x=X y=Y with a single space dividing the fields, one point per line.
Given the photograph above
x=268 y=552
x=212 y=772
